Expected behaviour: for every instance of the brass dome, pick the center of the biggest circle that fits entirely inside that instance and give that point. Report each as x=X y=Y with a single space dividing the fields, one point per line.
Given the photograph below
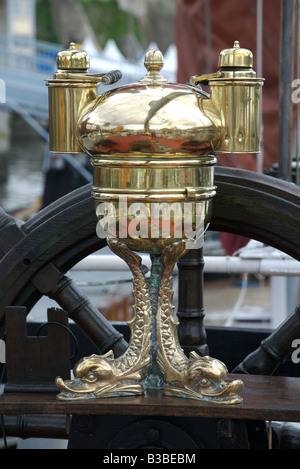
x=151 y=117
x=236 y=57
x=72 y=59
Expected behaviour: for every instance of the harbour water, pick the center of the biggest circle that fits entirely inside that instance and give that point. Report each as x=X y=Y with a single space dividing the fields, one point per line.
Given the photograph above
x=22 y=163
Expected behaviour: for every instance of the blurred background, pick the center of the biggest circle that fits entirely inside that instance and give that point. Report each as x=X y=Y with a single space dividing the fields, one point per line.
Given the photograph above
x=116 y=34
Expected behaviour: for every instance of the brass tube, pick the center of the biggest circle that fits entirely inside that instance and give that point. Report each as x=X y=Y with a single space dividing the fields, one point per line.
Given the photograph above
x=240 y=108
x=66 y=100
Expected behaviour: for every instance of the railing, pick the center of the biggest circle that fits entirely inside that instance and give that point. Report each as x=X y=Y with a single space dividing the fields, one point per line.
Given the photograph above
x=26 y=64
x=23 y=54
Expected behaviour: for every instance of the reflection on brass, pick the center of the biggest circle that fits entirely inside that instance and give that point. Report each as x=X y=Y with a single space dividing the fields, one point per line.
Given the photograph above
x=152 y=145
x=145 y=120
x=178 y=189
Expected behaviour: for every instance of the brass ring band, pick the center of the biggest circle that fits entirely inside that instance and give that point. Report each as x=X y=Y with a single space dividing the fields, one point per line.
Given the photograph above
x=180 y=195
x=150 y=161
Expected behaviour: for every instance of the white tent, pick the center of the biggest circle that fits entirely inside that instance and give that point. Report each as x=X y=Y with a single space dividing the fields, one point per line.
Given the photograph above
x=111 y=50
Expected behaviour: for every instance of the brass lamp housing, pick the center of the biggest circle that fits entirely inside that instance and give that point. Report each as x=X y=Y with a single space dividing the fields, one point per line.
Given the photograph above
x=153 y=146
x=238 y=92
x=70 y=90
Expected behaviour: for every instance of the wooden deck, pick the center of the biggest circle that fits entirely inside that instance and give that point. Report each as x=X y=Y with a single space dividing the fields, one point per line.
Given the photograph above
x=264 y=398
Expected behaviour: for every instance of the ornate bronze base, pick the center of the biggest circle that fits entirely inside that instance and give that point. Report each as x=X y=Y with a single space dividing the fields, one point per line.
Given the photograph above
x=154 y=358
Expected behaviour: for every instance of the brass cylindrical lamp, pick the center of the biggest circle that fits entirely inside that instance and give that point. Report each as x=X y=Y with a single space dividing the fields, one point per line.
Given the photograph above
x=238 y=92
x=70 y=90
x=153 y=146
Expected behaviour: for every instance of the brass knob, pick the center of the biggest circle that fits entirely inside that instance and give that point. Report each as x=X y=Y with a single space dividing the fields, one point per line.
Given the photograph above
x=73 y=59
x=154 y=60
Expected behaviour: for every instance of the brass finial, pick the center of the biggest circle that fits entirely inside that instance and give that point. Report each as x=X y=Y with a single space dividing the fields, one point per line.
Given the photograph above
x=154 y=62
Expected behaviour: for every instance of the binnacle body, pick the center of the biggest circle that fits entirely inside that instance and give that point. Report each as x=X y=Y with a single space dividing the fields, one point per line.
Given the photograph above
x=150 y=144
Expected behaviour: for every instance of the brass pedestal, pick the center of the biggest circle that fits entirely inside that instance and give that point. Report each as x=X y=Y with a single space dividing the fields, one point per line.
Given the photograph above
x=154 y=358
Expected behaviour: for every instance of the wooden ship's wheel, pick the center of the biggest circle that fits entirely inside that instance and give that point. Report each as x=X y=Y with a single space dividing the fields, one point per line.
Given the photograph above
x=36 y=254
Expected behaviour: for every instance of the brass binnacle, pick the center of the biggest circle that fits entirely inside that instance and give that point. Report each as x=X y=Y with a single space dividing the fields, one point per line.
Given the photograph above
x=153 y=146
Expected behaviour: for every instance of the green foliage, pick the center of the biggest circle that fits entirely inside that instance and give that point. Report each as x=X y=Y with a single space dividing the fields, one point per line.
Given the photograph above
x=105 y=16
x=44 y=22
x=109 y=21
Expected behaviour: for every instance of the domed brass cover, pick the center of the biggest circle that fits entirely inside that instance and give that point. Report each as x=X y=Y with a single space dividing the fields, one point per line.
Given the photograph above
x=72 y=59
x=236 y=57
x=151 y=117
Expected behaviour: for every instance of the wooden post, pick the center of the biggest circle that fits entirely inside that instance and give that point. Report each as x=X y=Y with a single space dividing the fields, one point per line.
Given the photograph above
x=33 y=363
x=191 y=332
